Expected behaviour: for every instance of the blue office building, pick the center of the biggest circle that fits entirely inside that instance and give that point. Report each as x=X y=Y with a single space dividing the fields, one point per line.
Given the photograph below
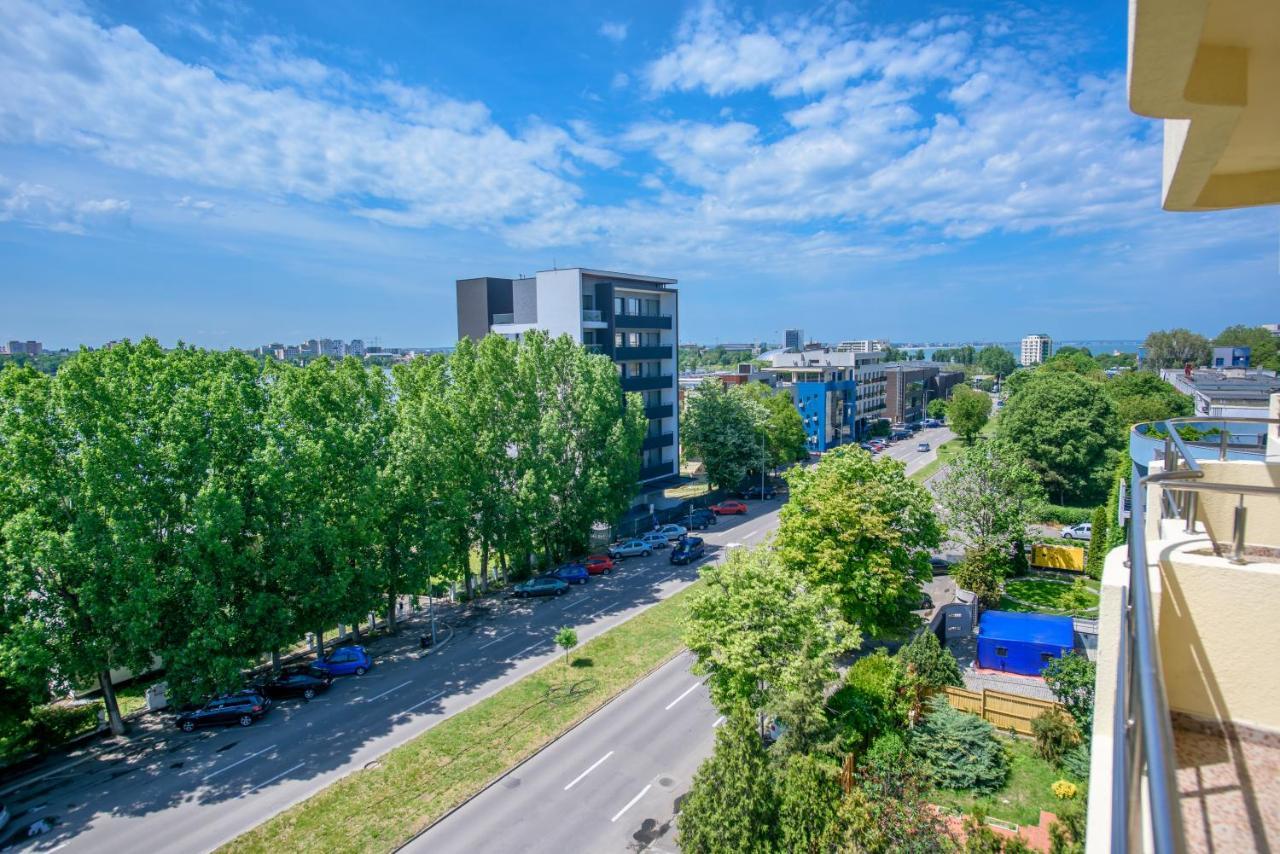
x=838 y=392
x=827 y=411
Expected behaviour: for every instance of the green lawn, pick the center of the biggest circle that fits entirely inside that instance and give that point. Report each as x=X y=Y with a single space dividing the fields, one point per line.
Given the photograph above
x=378 y=808
x=1042 y=595
x=1023 y=796
x=947 y=452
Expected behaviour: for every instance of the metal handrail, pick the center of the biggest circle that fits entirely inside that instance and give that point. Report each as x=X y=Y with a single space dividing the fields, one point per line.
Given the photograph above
x=1142 y=728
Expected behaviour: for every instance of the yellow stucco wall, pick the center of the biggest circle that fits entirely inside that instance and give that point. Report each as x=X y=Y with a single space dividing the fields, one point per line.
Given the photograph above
x=1217 y=510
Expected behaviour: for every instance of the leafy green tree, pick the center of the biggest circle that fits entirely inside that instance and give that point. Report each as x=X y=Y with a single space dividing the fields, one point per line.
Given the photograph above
x=1175 y=348
x=863 y=529
x=782 y=427
x=989 y=497
x=566 y=638
x=1064 y=425
x=1099 y=541
x=996 y=360
x=967 y=412
x=937 y=408
x=758 y=632
x=885 y=812
x=982 y=572
x=1071 y=678
x=929 y=663
x=1141 y=396
x=1055 y=734
x=720 y=428
x=808 y=805
x=873 y=700
x=1265 y=351
x=958 y=750
x=732 y=805
x=1070 y=360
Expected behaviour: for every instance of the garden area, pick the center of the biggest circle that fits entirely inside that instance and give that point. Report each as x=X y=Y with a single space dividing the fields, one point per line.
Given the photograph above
x=1028 y=788
x=1077 y=598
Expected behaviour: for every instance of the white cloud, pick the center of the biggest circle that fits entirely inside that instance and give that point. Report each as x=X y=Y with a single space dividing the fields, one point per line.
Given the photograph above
x=615 y=31
x=40 y=206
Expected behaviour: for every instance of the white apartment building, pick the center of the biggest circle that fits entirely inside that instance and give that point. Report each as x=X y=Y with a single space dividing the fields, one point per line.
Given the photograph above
x=1036 y=349
x=633 y=319
x=868 y=345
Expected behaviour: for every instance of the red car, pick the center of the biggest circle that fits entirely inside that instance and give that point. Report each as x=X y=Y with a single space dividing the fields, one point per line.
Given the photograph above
x=599 y=564
x=727 y=508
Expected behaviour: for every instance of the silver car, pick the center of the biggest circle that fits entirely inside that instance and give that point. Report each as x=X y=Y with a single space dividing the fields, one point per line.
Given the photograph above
x=672 y=532
x=1083 y=531
x=630 y=548
x=656 y=539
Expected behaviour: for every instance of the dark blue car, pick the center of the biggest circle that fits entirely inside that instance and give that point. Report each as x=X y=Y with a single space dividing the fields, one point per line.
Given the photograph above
x=687 y=550
x=343 y=661
x=571 y=573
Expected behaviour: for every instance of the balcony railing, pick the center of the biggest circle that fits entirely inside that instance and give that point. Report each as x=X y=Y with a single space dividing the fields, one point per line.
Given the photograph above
x=593 y=314
x=662 y=410
x=646 y=383
x=655 y=471
x=642 y=321
x=1143 y=763
x=661 y=351
x=504 y=318
x=662 y=440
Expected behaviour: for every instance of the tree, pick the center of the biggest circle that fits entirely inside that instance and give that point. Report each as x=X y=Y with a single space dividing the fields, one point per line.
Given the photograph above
x=996 y=360
x=937 y=408
x=982 y=572
x=732 y=805
x=959 y=750
x=1141 y=396
x=928 y=662
x=759 y=631
x=967 y=412
x=781 y=425
x=1064 y=425
x=989 y=497
x=875 y=699
x=720 y=428
x=1071 y=678
x=885 y=812
x=566 y=639
x=861 y=528
x=1175 y=348
x=1055 y=734
x=808 y=805
x=1265 y=352
x=1099 y=541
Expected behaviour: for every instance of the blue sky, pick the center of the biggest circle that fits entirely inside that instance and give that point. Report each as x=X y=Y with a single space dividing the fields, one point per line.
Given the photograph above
x=229 y=173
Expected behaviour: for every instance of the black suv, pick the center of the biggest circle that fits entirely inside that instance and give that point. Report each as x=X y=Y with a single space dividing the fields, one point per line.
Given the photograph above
x=296 y=682
x=242 y=709
x=757 y=492
x=688 y=549
x=702 y=518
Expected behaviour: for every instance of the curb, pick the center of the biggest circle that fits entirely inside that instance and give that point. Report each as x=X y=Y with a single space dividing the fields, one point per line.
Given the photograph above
x=588 y=716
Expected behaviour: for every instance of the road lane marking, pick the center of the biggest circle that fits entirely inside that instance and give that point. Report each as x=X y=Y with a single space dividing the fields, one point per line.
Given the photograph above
x=276 y=777
x=631 y=803
x=686 y=693
x=719 y=721
x=602 y=610
x=495 y=640
x=213 y=774
x=424 y=702
x=388 y=691
x=526 y=649
x=597 y=764
x=575 y=603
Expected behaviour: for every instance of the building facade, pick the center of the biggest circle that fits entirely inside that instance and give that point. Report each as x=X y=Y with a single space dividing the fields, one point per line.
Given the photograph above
x=837 y=393
x=1036 y=349
x=793 y=339
x=632 y=319
x=910 y=387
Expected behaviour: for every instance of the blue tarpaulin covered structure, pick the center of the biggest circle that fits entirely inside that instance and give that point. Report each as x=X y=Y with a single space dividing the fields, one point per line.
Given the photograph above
x=1022 y=643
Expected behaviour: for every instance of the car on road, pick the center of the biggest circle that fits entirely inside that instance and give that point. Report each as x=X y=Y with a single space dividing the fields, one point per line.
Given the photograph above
x=296 y=683
x=343 y=661
x=598 y=564
x=899 y=435
x=701 y=519
x=242 y=709
x=630 y=548
x=571 y=573
x=939 y=565
x=673 y=532
x=923 y=447
x=728 y=508
x=656 y=540
x=933 y=422
x=1083 y=531
x=687 y=550
x=540 y=586
x=758 y=492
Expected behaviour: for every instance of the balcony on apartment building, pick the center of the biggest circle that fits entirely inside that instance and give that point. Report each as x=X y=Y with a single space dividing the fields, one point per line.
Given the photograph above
x=661 y=410
x=647 y=383
x=642 y=321
x=635 y=354
x=1186 y=735
x=662 y=440
x=656 y=470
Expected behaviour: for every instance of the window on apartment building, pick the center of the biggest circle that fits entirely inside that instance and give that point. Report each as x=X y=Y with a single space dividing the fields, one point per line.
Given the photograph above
x=655 y=427
x=633 y=305
x=619 y=339
x=619 y=305
x=651 y=339
x=655 y=369
x=653 y=398
x=650 y=307
x=589 y=301
x=633 y=339
x=652 y=457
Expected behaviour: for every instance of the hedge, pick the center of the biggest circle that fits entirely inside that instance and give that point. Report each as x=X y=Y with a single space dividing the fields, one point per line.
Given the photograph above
x=1062 y=515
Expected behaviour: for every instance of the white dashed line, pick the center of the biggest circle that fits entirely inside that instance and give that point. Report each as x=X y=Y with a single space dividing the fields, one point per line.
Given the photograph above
x=276 y=777
x=424 y=702
x=596 y=765
x=388 y=691
x=495 y=640
x=533 y=645
x=719 y=721
x=686 y=693
x=631 y=803
x=213 y=774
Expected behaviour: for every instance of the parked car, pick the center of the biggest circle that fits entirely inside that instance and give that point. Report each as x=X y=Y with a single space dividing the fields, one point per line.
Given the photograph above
x=758 y=493
x=296 y=683
x=673 y=532
x=630 y=548
x=598 y=564
x=541 y=586
x=571 y=573
x=343 y=661
x=1083 y=531
x=923 y=447
x=728 y=508
x=687 y=550
x=701 y=519
x=940 y=566
x=933 y=422
x=242 y=709
x=899 y=435
x=656 y=539
x=925 y=603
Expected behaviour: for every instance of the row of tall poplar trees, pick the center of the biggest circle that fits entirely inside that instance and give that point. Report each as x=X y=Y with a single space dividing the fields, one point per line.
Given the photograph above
x=203 y=508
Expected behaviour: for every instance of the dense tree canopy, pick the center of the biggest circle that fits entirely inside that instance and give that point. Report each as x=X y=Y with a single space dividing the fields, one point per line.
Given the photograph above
x=1265 y=347
x=996 y=360
x=1140 y=396
x=989 y=496
x=782 y=427
x=967 y=412
x=723 y=427
x=1175 y=348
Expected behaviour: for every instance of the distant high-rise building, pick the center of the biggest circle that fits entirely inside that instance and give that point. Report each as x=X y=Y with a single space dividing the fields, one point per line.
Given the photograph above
x=1036 y=349
x=356 y=347
x=868 y=345
x=29 y=348
x=794 y=339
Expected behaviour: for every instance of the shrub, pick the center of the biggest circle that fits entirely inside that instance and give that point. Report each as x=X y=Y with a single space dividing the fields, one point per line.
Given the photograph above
x=982 y=571
x=1076 y=761
x=1062 y=515
x=54 y=725
x=872 y=700
x=934 y=666
x=959 y=750
x=887 y=754
x=1064 y=790
x=1071 y=679
x=1098 y=547
x=1055 y=734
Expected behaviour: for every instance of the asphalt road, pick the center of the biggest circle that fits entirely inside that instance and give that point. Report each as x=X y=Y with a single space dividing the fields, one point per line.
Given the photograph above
x=176 y=792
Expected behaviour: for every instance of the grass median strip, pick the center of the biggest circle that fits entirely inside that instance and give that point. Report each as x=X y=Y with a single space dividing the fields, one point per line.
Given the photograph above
x=377 y=809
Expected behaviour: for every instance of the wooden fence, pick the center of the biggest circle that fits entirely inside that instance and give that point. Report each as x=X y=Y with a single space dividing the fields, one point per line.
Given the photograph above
x=1004 y=711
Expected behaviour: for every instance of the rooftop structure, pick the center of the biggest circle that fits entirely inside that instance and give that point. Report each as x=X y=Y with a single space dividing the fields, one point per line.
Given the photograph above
x=838 y=392
x=1226 y=393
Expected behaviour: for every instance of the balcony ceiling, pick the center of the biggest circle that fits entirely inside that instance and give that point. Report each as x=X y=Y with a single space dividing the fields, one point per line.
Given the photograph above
x=1211 y=69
